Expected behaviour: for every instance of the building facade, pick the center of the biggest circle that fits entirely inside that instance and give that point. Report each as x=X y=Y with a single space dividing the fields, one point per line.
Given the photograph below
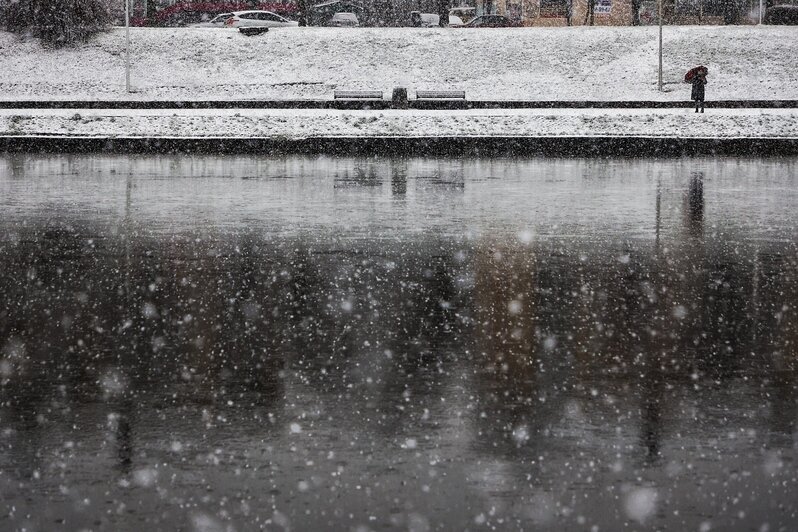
x=526 y=12
x=621 y=12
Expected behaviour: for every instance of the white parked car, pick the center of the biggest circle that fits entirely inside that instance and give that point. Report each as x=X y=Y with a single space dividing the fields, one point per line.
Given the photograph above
x=261 y=19
x=463 y=14
x=341 y=20
x=454 y=20
x=216 y=22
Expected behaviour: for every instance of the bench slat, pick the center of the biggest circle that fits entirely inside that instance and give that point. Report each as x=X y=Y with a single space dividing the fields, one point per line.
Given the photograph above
x=440 y=95
x=357 y=95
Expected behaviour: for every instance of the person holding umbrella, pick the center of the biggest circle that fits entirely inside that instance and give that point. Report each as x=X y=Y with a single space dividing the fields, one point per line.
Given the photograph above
x=698 y=78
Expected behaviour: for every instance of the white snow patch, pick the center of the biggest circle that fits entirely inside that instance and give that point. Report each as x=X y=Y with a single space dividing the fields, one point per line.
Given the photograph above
x=520 y=435
x=410 y=443
x=145 y=477
x=680 y=312
x=202 y=522
x=640 y=504
x=515 y=306
x=149 y=310
x=113 y=383
x=542 y=508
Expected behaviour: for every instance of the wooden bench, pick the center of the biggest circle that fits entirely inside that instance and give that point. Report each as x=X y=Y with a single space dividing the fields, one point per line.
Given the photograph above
x=357 y=95
x=440 y=95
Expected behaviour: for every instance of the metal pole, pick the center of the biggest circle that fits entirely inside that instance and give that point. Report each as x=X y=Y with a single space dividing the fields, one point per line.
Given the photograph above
x=761 y=10
x=659 y=77
x=127 y=45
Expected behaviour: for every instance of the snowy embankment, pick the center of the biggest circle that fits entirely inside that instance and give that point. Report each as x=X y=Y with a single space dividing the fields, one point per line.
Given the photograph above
x=297 y=123
x=579 y=63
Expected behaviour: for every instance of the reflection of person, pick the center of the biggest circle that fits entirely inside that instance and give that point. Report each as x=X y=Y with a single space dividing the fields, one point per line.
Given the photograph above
x=695 y=204
x=699 y=81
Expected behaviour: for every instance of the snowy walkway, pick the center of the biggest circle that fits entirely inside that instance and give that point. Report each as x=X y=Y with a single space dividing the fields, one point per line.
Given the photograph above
x=298 y=123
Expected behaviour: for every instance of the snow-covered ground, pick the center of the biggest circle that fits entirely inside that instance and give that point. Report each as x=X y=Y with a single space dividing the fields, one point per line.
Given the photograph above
x=298 y=123
x=579 y=63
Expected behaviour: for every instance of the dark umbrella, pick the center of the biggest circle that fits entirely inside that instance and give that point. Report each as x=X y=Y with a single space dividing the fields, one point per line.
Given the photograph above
x=695 y=71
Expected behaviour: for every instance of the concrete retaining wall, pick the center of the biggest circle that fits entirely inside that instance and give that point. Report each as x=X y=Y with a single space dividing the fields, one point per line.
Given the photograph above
x=412 y=146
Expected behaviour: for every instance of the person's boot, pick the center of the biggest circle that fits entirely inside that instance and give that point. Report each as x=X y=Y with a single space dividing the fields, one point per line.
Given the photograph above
x=702 y=109
x=696 y=109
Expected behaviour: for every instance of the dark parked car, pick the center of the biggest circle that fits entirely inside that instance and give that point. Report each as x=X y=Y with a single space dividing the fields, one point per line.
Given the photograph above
x=490 y=21
x=782 y=15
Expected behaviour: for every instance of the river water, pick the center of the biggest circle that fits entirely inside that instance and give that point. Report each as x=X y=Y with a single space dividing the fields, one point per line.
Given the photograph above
x=315 y=343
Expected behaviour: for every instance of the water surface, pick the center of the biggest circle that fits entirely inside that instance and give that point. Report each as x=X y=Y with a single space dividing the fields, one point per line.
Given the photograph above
x=214 y=343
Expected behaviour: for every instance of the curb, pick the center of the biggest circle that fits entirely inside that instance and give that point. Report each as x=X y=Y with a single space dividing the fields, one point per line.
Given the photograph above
x=411 y=146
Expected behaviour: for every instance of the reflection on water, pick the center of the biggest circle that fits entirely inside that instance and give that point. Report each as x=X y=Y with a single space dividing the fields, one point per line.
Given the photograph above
x=311 y=343
x=695 y=201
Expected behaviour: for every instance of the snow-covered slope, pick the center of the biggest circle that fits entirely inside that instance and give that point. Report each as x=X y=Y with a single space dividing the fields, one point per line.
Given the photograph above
x=582 y=63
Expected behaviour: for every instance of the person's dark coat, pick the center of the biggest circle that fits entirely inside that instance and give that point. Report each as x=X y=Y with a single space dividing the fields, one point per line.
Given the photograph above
x=698 y=88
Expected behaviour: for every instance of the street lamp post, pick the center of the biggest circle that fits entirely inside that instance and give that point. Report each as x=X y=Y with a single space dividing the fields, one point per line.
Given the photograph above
x=127 y=45
x=659 y=77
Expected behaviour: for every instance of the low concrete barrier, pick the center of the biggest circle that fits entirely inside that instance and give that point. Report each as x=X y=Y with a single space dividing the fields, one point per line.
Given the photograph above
x=428 y=146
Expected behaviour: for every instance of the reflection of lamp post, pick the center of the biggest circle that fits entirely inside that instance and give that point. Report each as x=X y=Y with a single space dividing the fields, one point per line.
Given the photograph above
x=657 y=215
x=127 y=45
x=659 y=79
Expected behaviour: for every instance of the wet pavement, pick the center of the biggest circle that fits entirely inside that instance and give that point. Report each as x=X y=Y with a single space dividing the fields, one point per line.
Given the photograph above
x=235 y=343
